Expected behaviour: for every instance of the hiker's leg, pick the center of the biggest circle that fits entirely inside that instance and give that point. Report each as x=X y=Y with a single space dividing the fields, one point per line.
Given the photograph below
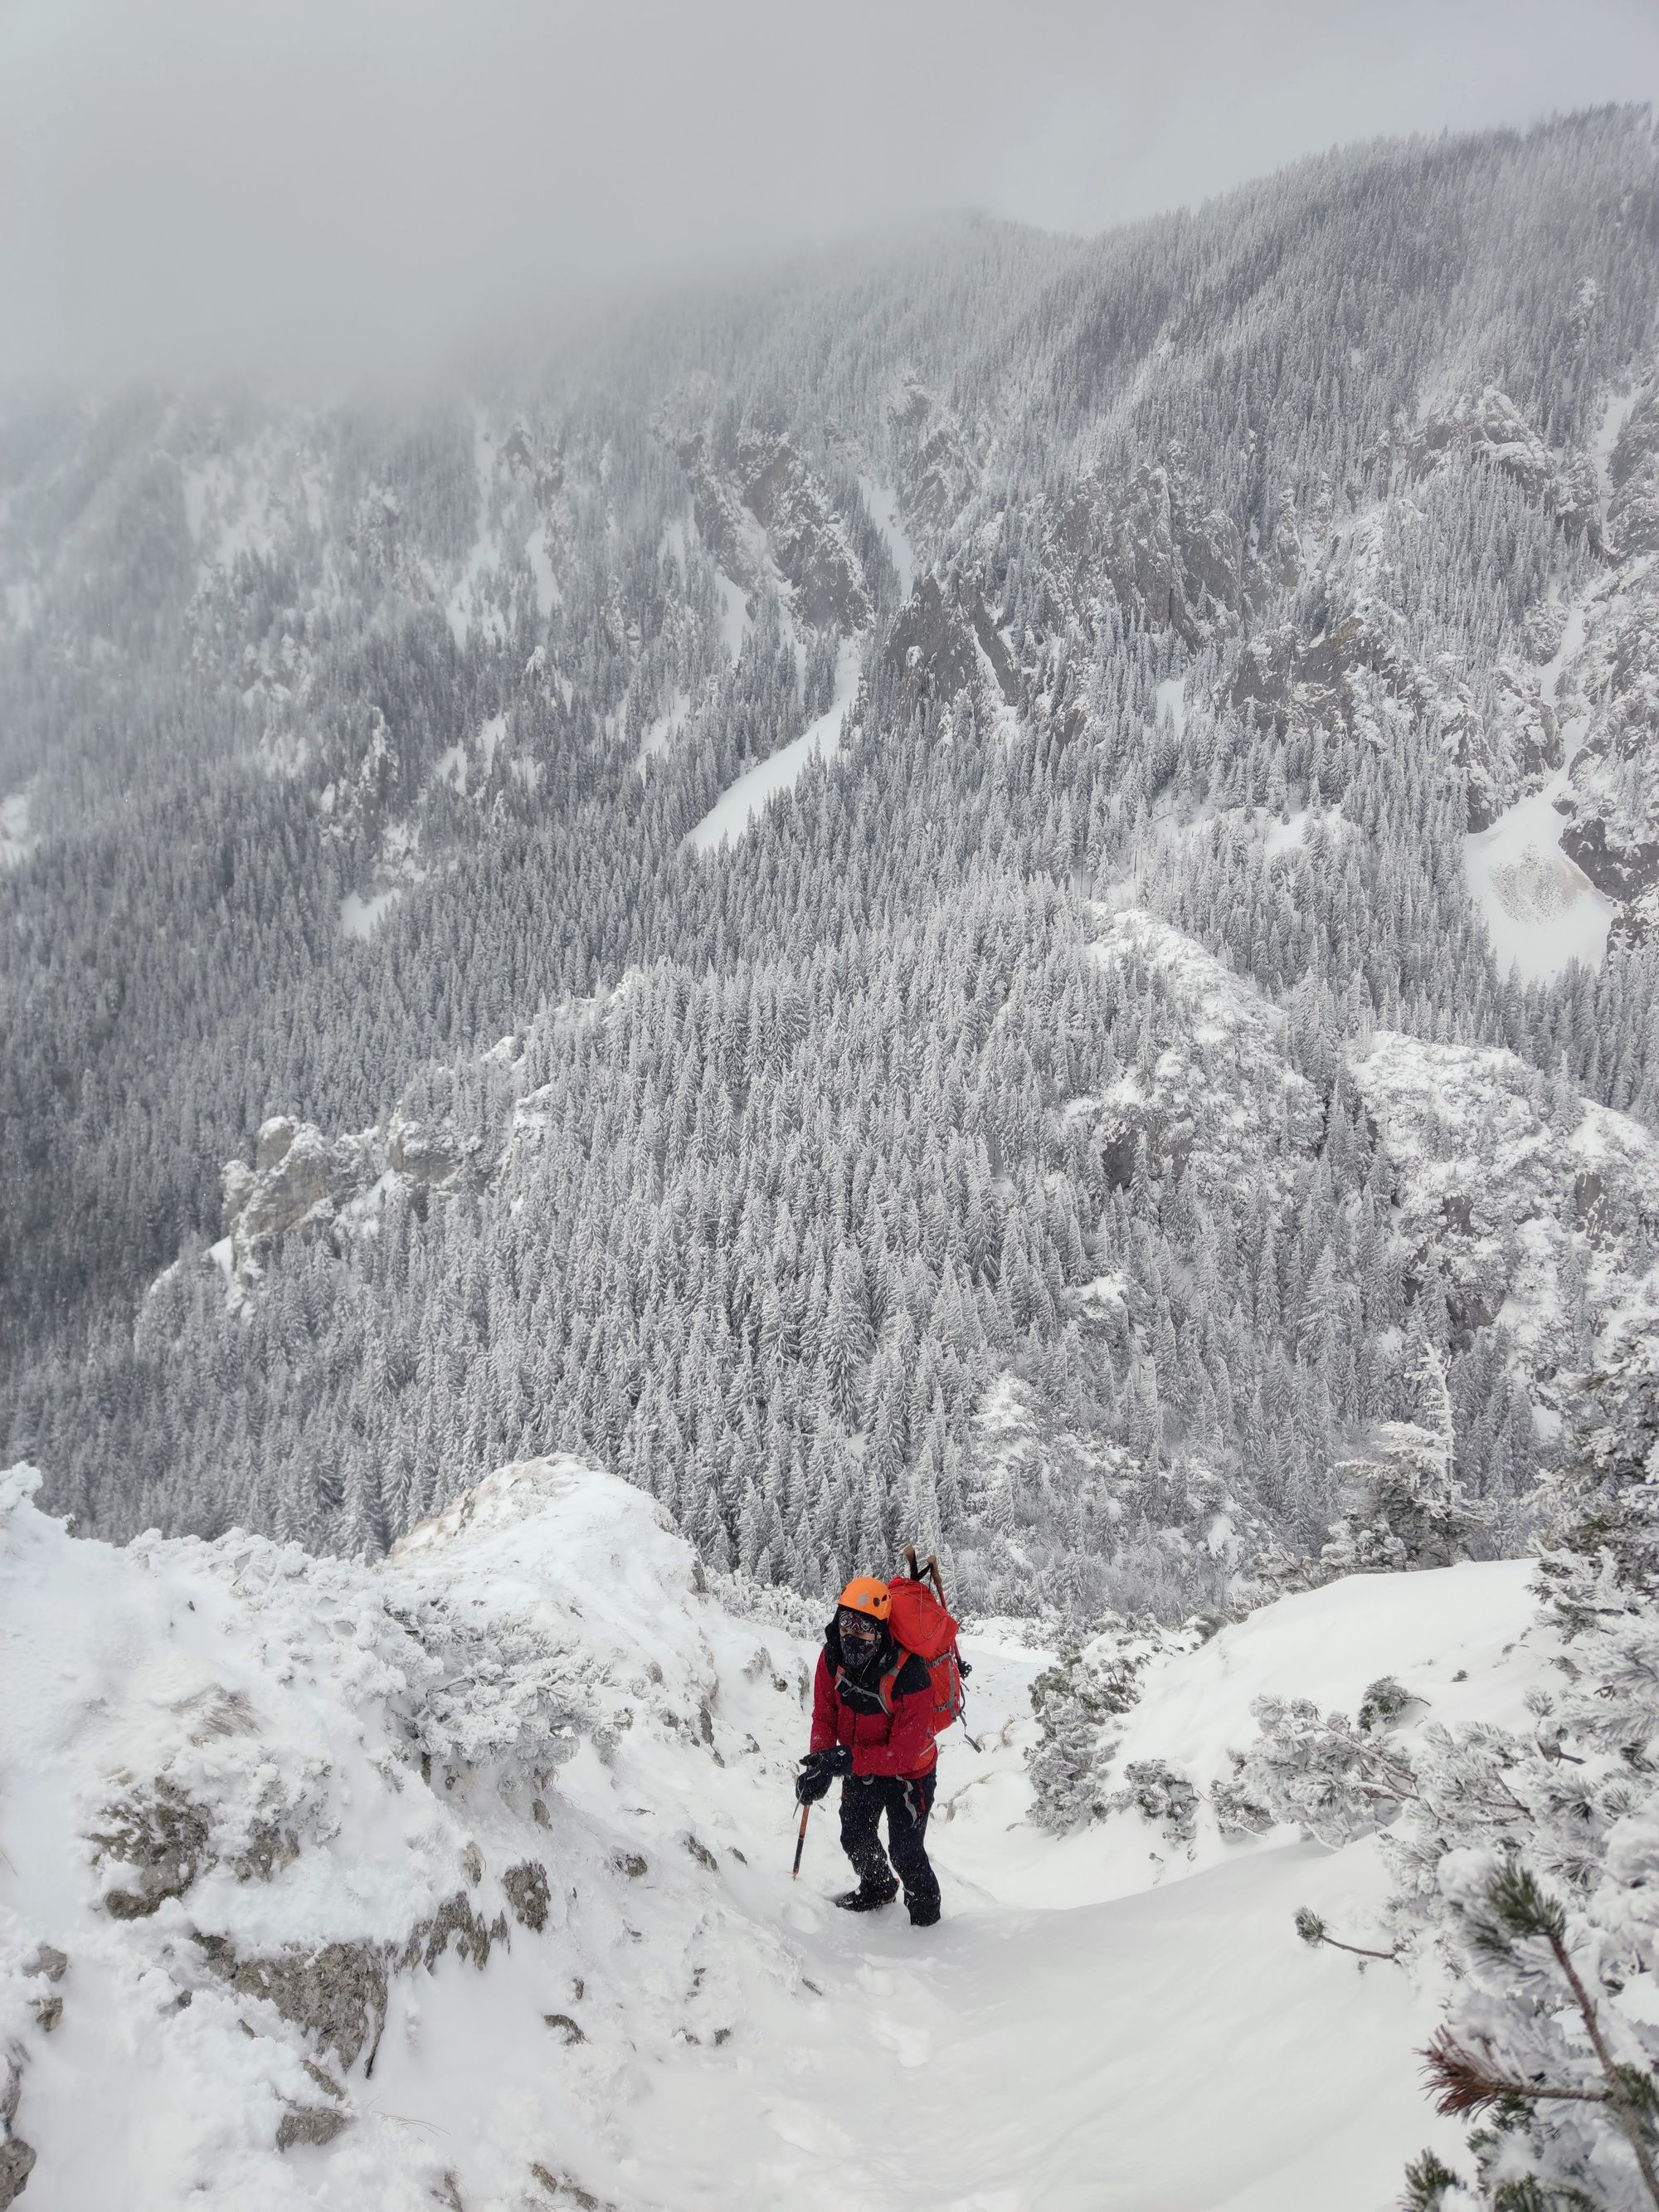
x=861 y=1814
x=908 y=1808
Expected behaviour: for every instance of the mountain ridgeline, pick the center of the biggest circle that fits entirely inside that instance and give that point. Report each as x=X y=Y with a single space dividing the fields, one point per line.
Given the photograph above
x=1183 y=1014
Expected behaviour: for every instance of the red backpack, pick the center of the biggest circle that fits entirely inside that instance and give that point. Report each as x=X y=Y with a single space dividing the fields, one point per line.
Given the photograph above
x=919 y=1625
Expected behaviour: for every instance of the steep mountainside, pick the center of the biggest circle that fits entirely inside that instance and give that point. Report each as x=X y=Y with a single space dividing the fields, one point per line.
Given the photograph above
x=999 y=889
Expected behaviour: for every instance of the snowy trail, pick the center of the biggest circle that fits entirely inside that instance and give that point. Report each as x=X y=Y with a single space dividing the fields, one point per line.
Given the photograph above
x=1025 y=2060
x=1021 y=2059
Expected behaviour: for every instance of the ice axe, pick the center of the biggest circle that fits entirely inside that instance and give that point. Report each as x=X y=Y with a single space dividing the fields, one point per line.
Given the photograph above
x=800 y=1841
x=931 y=1571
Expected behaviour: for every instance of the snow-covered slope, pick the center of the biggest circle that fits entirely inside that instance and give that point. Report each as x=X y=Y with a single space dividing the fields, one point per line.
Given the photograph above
x=465 y=1880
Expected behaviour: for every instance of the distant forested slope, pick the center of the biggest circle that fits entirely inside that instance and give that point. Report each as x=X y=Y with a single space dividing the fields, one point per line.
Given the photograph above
x=1139 y=1055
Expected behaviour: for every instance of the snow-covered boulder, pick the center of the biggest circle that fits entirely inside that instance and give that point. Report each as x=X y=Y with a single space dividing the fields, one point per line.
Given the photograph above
x=268 y=1821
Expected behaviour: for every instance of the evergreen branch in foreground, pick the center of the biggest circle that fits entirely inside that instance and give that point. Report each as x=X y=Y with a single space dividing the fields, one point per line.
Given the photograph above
x=1313 y=1931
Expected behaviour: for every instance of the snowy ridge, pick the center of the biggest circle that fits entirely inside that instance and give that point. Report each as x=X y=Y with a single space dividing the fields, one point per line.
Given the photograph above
x=1203 y=1092
x=326 y=1802
x=465 y=1877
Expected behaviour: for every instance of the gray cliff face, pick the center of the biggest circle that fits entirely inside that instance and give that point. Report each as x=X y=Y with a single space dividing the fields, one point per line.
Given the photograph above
x=940 y=473
x=306 y=1185
x=941 y=647
x=1166 y=558
x=765 y=516
x=1612 y=695
x=1633 y=473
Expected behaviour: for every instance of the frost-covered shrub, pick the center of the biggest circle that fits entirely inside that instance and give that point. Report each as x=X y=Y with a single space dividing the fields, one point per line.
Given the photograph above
x=1076 y=1701
x=1601 y=1527
x=1527 y=1864
x=1275 y=1572
x=1361 y=1543
x=1406 y=1505
x=1316 y=1770
x=1238 y=1812
x=773 y=1603
x=1383 y=1702
x=1162 y=1794
x=500 y=1691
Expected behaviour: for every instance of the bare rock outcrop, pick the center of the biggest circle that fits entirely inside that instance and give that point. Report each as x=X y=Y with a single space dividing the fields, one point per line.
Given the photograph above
x=1634 y=476
x=305 y=1184
x=1289 y=680
x=939 y=470
x=162 y=1836
x=300 y=1180
x=944 y=642
x=1504 y=753
x=309 y=2123
x=1489 y=426
x=17 y=2157
x=49 y=1964
x=337 y=1994
x=1152 y=544
x=764 y=513
x=527 y=1893
x=809 y=540
x=314 y=2124
x=1612 y=693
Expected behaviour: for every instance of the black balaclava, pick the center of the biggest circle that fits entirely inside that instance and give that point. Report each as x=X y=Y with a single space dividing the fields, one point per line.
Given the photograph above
x=860 y=1638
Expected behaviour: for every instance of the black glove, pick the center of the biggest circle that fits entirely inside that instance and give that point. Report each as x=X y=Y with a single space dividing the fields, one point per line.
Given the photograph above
x=818 y=1770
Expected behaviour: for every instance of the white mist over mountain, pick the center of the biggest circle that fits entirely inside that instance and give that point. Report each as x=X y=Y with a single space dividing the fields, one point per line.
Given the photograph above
x=337 y=188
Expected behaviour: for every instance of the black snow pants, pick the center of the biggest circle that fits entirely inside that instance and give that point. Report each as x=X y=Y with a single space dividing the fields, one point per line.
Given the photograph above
x=907 y=1803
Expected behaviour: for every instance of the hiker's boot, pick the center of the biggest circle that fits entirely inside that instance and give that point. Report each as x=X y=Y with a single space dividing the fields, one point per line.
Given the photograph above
x=864 y=1900
x=924 y=1911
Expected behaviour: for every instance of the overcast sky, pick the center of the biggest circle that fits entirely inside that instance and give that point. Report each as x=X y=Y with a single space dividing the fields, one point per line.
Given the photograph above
x=339 y=184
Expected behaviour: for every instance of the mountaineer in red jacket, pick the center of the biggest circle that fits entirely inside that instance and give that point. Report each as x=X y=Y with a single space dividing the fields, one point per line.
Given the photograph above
x=872 y=1725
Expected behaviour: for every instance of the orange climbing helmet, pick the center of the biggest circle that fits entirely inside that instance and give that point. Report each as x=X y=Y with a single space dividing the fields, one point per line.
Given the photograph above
x=864 y=1593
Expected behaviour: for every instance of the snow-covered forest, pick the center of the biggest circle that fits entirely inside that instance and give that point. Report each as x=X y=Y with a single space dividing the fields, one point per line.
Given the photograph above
x=995 y=891
x=1195 y=966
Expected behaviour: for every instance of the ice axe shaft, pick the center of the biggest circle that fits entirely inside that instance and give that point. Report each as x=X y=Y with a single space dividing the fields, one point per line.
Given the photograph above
x=930 y=1569
x=800 y=1841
